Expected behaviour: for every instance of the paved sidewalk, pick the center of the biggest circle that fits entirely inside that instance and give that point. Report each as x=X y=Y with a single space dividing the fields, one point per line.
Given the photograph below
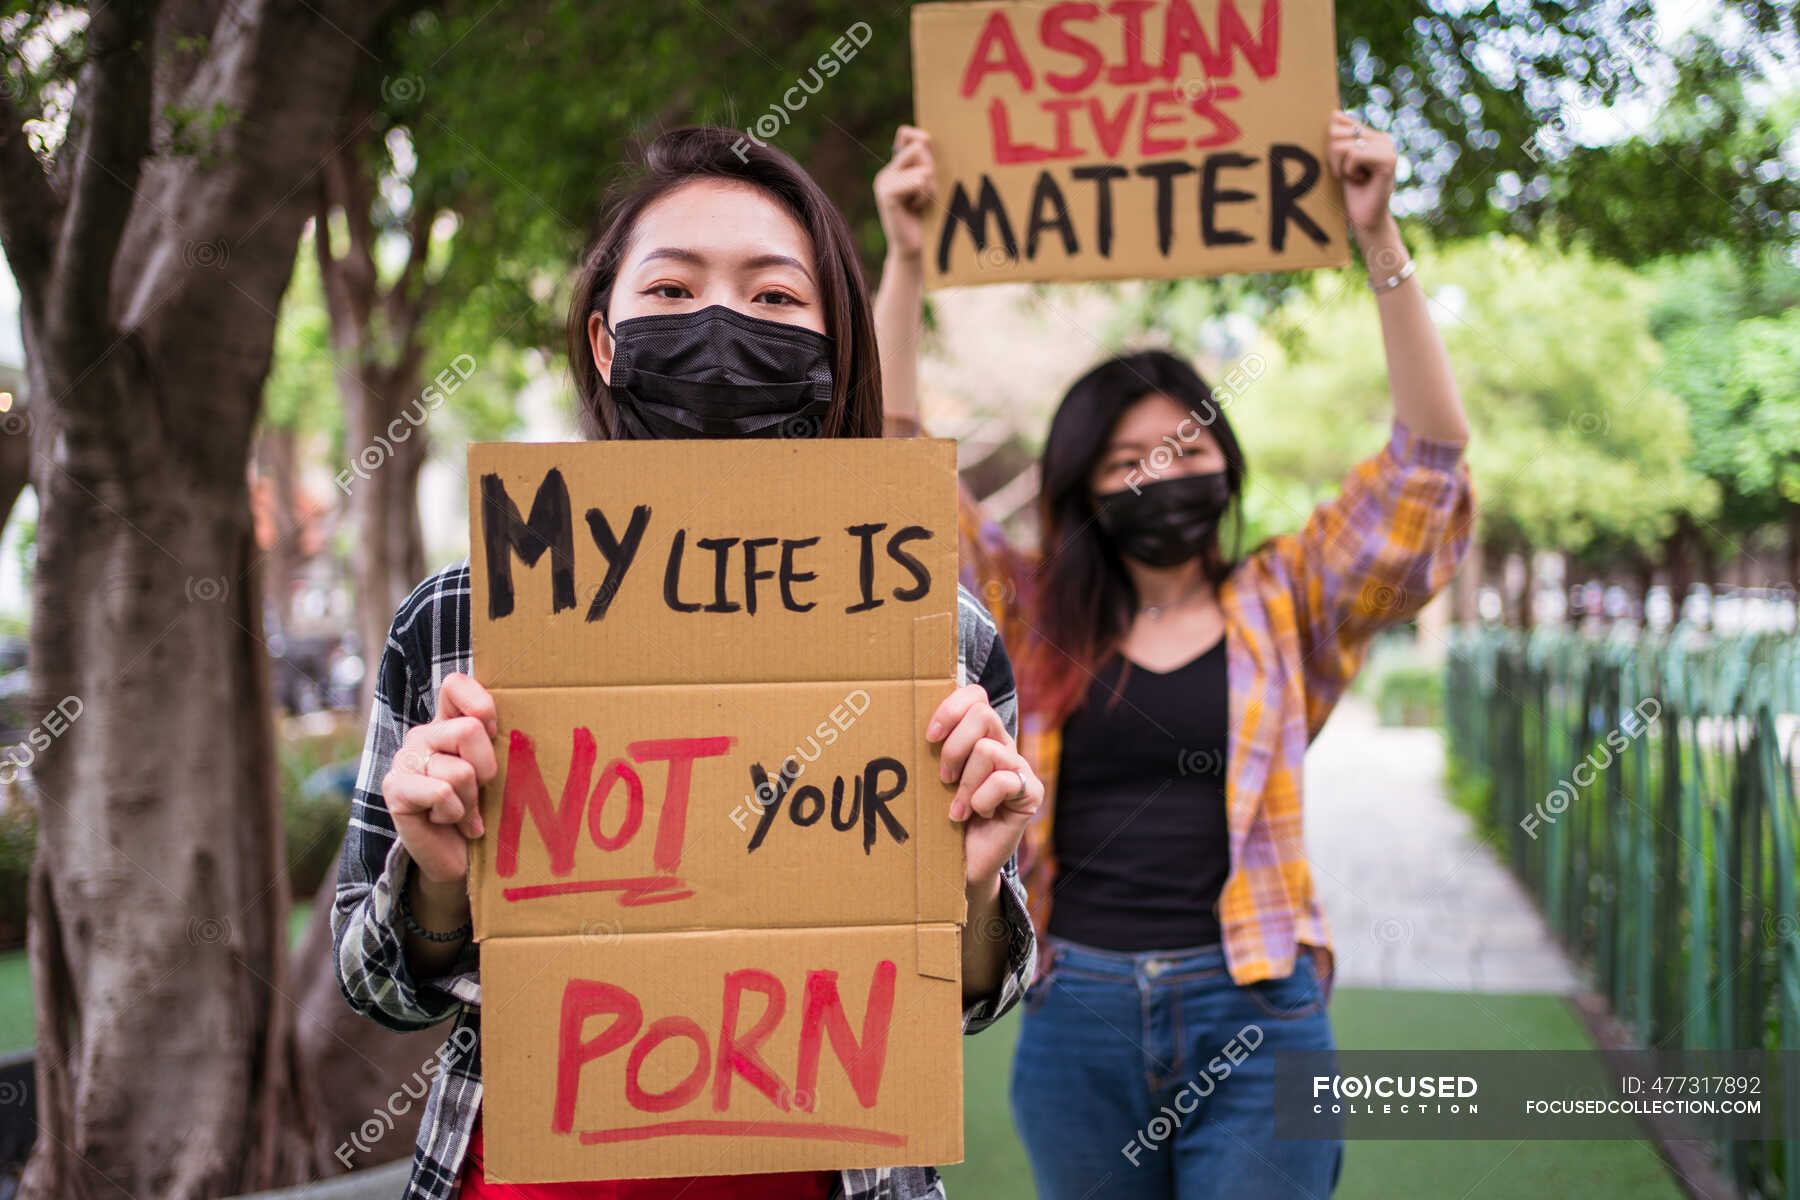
x=1414 y=899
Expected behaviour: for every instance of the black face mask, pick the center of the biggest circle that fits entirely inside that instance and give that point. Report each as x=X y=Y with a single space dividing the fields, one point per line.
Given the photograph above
x=717 y=373
x=1166 y=522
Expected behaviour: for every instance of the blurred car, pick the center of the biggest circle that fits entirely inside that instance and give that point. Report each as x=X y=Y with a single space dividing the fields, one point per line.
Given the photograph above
x=316 y=673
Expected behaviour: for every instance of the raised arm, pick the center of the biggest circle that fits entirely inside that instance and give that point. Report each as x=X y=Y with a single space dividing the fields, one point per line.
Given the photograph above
x=1400 y=526
x=904 y=190
x=1426 y=399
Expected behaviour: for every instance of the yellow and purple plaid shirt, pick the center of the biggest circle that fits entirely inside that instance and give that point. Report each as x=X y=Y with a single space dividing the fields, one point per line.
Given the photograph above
x=1299 y=614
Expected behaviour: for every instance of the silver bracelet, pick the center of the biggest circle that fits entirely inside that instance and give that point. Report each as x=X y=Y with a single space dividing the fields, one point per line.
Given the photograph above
x=1393 y=281
x=450 y=935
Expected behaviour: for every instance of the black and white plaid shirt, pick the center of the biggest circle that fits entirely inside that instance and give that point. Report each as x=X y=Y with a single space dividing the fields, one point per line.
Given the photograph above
x=429 y=640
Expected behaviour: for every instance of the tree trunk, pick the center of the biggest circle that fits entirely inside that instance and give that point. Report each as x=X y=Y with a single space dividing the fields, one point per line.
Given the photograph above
x=276 y=457
x=15 y=458
x=159 y=891
x=1528 y=589
x=389 y=559
x=1793 y=546
x=1465 y=587
x=149 y=287
x=375 y=334
x=1678 y=550
x=352 y=1076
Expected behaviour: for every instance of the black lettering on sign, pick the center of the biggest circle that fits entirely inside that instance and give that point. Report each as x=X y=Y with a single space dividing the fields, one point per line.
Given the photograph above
x=865 y=567
x=672 y=577
x=921 y=577
x=1164 y=173
x=1047 y=196
x=867 y=796
x=618 y=552
x=1103 y=176
x=974 y=216
x=751 y=574
x=1285 y=193
x=504 y=533
x=721 y=548
x=789 y=576
x=1212 y=196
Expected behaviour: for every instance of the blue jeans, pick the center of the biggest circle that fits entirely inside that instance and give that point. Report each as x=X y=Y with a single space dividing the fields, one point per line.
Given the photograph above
x=1125 y=1087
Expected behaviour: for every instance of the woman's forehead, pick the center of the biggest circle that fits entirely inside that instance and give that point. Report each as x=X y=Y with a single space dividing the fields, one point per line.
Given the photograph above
x=1155 y=416
x=720 y=223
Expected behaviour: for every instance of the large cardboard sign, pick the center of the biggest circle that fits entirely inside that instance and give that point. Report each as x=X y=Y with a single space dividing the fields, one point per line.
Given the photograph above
x=1132 y=139
x=719 y=896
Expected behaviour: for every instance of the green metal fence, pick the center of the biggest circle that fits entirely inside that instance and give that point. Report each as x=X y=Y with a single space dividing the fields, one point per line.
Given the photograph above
x=1644 y=790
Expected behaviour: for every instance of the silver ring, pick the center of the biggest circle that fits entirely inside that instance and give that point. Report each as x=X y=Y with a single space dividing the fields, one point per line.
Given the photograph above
x=426 y=769
x=1359 y=139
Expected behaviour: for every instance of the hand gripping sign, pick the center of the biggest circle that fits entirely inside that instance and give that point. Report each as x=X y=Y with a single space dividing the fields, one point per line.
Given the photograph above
x=719 y=897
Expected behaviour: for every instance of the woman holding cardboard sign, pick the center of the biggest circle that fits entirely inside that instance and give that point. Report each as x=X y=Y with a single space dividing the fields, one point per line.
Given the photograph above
x=731 y=284
x=1172 y=687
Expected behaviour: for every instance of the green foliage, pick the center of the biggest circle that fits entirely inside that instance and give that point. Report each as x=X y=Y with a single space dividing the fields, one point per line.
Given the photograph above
x=1573 y=446
x=1710 y=171
x=1410 y=694
x=313 y=827
x=1471 y=791
x=301 y=392
x=1731 y=336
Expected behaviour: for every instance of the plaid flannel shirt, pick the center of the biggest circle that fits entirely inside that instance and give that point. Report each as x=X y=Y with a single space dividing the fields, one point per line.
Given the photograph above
x=1299 y=614
x=429 y=640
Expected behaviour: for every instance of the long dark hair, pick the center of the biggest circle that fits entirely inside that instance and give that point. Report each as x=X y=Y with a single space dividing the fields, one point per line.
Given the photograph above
x=706 y=152
x=1085 y=597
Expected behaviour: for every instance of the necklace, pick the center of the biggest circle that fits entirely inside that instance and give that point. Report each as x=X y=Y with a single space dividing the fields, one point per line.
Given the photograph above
x=1155 y=611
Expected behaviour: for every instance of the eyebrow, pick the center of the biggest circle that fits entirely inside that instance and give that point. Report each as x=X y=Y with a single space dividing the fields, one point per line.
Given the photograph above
x=756 y=262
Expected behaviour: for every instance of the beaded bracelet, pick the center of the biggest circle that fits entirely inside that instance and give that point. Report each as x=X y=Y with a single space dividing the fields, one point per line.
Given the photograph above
x=457 y=934
x=1394 y=281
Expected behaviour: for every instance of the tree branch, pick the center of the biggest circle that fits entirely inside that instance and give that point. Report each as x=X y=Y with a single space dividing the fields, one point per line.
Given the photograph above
x=114 y=99
x=30 y=211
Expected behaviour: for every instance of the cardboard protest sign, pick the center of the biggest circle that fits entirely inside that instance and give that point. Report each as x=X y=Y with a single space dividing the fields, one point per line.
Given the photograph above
x=1135 y=139
x=719 y=895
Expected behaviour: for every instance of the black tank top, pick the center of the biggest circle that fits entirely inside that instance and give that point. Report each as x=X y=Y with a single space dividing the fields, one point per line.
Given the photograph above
x=1141 y=842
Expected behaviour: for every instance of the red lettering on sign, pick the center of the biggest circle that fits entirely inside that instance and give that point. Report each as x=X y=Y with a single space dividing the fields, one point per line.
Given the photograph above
x=680 y=754
x=740 y=1129
x=1134 y=69
x=862 y=1059
x=996 y=37
x=659 y=1032
x=1053 y=33
x=1183 y=35
x=1005 y=150
x=1263 y=56
x=525 y=791
x=737 y=1052
x=616 y=770
x=1111 y=130
x=1148 y=145
x=823 y=1018
x=560 y=826
x=584 y=998
x=1225 y=130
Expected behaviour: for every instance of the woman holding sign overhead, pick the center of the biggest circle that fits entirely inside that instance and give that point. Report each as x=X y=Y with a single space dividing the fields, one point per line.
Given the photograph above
x=1169 y=689
x=731 y=285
